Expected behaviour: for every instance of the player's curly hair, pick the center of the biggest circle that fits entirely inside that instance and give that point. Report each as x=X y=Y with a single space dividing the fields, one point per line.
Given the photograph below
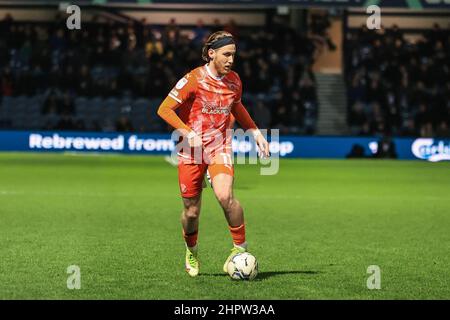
x=213 y=37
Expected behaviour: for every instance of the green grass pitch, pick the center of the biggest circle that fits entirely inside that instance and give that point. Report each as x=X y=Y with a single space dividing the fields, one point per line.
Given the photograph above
x=315 y=227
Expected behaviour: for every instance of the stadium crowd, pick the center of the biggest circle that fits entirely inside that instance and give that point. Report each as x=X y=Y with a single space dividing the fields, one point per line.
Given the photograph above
x=139 y=60
x=398 y=86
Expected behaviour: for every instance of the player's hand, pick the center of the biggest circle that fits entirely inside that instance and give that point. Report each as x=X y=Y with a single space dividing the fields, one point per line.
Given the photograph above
x=263 y=145
x=194 y=140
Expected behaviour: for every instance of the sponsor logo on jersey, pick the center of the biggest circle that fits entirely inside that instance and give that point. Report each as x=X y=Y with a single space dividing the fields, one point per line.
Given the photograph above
x=233 y=86
x=212 y=109
x=181 y=83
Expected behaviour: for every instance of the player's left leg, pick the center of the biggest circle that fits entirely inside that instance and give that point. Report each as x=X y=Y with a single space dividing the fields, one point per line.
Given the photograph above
x=222 y=181
x=190 y=179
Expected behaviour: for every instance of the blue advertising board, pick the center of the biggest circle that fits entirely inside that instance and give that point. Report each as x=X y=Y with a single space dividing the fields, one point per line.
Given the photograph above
x=162 y=144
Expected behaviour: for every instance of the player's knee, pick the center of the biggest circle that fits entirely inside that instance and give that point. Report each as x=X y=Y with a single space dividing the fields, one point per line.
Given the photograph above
x=225 y=199
x=192 y=212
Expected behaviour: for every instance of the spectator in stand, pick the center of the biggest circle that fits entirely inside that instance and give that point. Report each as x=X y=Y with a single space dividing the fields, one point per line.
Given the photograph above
x=123 y=124
x=357 y=119
x=200 y=33
x=261 y=115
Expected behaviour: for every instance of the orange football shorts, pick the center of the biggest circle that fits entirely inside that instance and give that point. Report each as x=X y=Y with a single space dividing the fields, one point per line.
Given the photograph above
x=191 y=175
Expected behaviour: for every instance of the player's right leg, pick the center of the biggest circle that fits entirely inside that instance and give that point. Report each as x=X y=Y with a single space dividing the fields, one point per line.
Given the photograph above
x=190 y=179
x=189 y=221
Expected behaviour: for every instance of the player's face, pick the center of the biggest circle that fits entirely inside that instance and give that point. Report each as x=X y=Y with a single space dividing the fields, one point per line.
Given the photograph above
x=223 y=59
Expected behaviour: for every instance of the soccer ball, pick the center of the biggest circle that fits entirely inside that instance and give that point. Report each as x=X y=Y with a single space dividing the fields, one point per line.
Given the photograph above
x=243 y=266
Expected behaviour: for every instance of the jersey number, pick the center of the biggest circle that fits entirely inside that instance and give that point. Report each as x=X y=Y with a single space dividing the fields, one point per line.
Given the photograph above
x=226 y=159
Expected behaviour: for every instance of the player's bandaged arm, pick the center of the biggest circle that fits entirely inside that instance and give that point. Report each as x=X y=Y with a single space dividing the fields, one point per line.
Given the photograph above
x=244 y=119
x=167 y=112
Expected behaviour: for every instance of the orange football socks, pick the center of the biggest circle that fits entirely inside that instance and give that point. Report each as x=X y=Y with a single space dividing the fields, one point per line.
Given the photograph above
x=190 y=238
x=238 y=234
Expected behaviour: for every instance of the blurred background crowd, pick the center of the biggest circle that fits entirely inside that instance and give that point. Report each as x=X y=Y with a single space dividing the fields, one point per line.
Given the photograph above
x=112 y=76
x=118 y=64
x=396 y=86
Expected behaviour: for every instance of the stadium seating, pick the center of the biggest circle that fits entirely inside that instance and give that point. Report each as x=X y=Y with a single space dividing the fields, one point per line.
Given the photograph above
x=397 y=86
x=78 y=81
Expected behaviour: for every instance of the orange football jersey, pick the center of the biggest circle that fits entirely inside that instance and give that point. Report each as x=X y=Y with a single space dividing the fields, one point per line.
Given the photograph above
x=205 y=106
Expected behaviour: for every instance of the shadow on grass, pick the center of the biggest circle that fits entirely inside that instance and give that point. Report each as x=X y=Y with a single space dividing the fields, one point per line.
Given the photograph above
x=268 y=274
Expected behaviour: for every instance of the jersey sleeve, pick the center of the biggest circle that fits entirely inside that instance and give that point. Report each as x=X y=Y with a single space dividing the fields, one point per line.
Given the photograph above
x=184 y=89
x=167 y=112
x=239 y=92
x=238 y=110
